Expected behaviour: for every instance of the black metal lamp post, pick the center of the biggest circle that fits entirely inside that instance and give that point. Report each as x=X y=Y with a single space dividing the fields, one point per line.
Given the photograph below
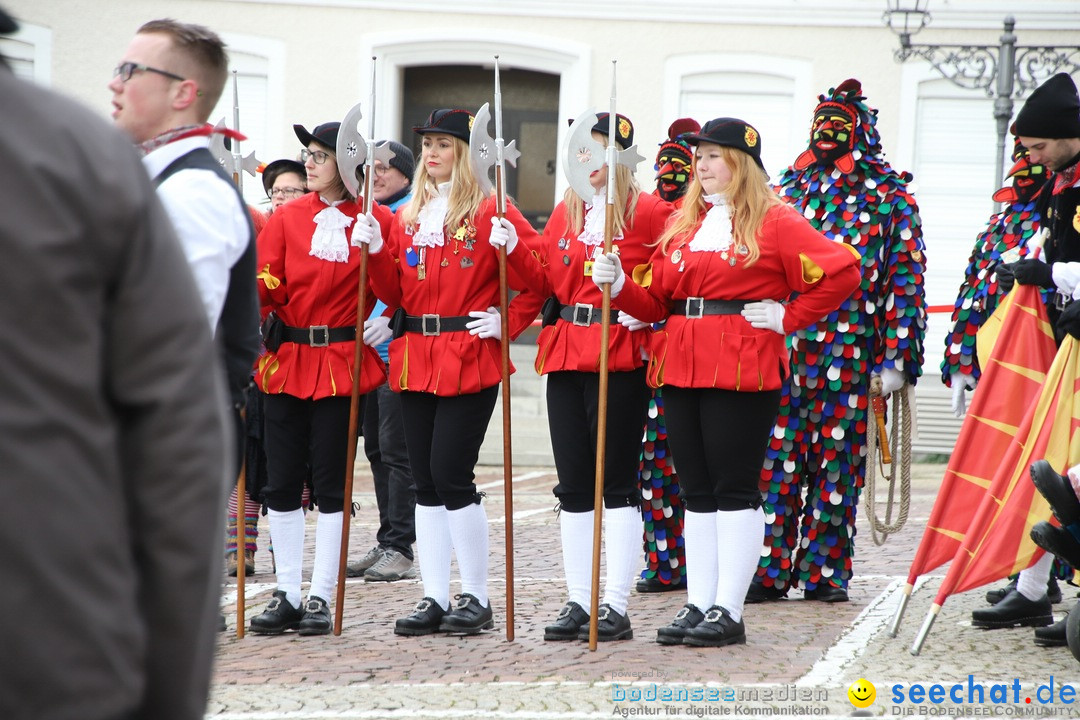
x=1004 y=71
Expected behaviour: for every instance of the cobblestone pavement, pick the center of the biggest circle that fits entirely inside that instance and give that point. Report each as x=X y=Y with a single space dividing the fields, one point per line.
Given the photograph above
x=799 y=660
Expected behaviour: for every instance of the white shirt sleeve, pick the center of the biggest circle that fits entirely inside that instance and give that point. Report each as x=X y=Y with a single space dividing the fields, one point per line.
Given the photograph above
x=212 y=228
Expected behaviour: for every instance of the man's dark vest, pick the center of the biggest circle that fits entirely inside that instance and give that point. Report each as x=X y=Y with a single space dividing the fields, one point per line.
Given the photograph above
x=238 y=328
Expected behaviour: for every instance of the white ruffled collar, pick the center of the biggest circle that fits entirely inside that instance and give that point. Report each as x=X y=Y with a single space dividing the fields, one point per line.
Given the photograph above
x=592 y=231
x=714 y=235
x=432 y=219
x=328 y=242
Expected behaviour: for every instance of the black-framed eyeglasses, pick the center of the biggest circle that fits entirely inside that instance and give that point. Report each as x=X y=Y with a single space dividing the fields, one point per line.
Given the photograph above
x=125 y=70
x=317 y=156
x=380 y=169
x=284 y=192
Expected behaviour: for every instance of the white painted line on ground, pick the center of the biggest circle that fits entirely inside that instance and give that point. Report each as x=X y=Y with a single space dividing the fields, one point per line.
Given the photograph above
x=827 y=672
x=517 y=479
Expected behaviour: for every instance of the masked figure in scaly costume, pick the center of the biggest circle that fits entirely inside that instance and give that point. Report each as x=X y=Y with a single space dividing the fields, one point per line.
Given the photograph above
x=844 y=186
x=661 y=509
x=1006 y=235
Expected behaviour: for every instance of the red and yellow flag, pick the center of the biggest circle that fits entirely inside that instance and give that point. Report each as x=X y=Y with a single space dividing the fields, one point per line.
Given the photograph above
x=1012 y=377
x=997 y=541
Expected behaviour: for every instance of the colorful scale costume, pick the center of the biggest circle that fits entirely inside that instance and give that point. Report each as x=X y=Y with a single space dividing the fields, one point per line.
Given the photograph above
x=844 y=186
x=1010 y=229
x=661 y=509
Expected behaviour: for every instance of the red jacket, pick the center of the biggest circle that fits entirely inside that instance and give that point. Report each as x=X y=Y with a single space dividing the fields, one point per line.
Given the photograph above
x=724 y=351
x=567 y=264
x=306 y=291
x=459 y=277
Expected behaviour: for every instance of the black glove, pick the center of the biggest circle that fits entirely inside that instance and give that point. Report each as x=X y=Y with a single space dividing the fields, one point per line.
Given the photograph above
x=1069 y=322
x=1005 y=278
x=1033 y=272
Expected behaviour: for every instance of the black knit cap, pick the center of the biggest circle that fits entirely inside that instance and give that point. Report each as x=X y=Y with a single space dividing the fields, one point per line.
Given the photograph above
x=271 y=172
x=325 y=134
x=1052 y=111
x=730 y=132
x=456 y=123
x=7 y=23
x=403 y=159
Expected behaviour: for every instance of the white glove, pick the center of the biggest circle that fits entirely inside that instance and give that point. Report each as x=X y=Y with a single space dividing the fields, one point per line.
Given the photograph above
x=487 y=324
x=607 y=269
x=891 y=380
x=631 y=323
x=366 y=230
x=504 y=234
x=960 y=382
x=377 y=330
x=1066 y=276
x=765 y=315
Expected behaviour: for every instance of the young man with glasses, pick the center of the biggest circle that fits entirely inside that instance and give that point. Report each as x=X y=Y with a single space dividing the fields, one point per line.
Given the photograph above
x=164 y=89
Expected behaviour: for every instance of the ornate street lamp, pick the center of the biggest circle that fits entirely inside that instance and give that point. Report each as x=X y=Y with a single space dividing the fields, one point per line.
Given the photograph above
x=1003 y=72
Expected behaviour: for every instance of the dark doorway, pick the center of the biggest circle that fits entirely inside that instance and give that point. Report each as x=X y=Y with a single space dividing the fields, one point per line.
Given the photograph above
x=530 y=102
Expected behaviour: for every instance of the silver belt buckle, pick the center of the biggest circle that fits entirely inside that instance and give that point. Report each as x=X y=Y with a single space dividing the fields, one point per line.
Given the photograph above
x=325 y=330
x=1061 y=300
x=583 y=314
x=424 y=327
x=695 y=307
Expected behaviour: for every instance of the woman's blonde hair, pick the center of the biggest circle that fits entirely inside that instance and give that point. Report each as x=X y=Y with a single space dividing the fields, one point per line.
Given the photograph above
x=627 y=191
x=748 y=196
x=465 y=192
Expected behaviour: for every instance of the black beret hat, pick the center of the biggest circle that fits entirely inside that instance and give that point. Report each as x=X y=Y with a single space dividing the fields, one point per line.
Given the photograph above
x=624 y=129
x=1052 y=111
x=325 y=134
x=279 y=167
x=730 y=132
x=456 y=123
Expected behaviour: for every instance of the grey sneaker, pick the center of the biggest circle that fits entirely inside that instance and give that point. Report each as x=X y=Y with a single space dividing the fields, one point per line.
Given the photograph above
x=390 y=567
x=358 y=568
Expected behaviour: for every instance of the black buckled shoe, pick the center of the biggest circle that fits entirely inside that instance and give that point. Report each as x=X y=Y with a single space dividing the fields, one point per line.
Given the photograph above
x=1053 y=635
x=827 y=593
x=278 y=616
x=468 y=617
x=316 y=620
x=760 y=593
x=1058 y=492
x=610 y=625
x=654 y=585
x=716 y=629
x=424 y=619
x=1057 y=541
x=1014 y=610
x=686 y=619
x=1053 y=591
x=571 y=619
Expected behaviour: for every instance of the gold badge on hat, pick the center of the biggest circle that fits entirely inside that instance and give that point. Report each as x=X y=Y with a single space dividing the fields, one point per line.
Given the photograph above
x=471 y=118
x=750 y=137
x=1076 y=220
x=624 y=128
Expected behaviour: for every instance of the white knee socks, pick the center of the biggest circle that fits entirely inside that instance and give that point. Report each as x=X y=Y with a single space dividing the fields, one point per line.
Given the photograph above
x=738 y=549
x=469 y=531
x=327 y=555
x=699 y=535
x=1032 y=581
x=433 y=550
x=287 y=534
x=622 y=551
x=576 y=530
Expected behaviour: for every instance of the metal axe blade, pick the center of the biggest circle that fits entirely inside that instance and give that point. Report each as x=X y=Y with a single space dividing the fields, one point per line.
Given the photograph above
x=584 y=155
x=482 y=154
x=351 y=149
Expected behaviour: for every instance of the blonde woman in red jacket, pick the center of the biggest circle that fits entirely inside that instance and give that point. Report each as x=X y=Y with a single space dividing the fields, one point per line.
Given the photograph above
x=436 y=264
x=308 y=275
x=725 y=277
x=569 y=354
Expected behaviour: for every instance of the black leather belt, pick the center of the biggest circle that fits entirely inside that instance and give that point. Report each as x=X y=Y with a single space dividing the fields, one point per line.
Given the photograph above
x=695 y=307
x=435 y=324
x=585 y=314
x=317 y=335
